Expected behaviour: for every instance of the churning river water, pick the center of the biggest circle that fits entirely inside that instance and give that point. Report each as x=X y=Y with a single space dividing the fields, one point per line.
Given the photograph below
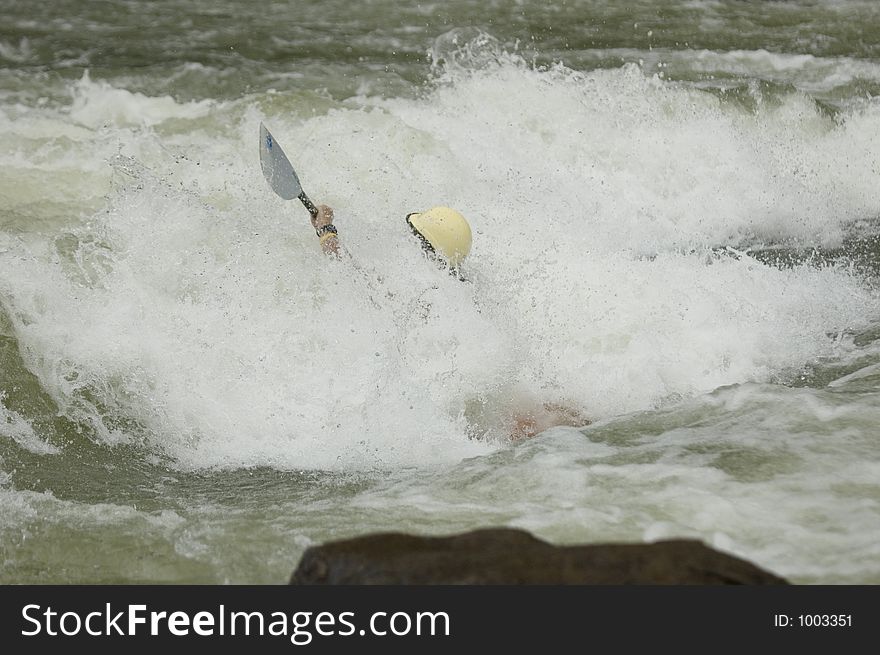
x=676 y=217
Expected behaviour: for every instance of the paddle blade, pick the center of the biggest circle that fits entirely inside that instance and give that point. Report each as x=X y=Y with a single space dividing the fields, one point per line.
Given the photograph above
x=276 y=167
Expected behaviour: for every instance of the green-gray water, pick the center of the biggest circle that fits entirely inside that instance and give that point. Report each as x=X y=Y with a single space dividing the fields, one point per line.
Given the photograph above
x=675 y=209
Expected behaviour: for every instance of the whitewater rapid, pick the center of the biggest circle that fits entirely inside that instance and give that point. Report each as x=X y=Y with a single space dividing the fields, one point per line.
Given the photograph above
x=187 y=308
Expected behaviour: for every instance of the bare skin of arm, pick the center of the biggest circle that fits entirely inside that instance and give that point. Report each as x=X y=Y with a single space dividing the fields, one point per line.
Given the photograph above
x=527 y=424
x=329 y=241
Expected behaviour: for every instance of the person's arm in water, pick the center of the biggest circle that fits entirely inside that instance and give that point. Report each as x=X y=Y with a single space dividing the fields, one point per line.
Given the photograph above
x=323 y=224
x=529 y=422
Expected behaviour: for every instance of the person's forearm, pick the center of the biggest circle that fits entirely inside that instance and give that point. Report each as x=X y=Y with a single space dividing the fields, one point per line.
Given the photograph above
x=326 y=231
x=330 y=242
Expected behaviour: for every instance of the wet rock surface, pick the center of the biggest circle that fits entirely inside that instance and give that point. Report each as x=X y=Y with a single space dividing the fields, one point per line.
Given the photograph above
x=507 y=556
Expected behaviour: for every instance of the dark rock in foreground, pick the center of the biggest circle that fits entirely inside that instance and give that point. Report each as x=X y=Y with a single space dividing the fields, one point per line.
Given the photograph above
x=505 y=556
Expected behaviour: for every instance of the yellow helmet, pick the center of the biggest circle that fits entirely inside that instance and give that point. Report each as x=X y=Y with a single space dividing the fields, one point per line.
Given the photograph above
x=444 y=231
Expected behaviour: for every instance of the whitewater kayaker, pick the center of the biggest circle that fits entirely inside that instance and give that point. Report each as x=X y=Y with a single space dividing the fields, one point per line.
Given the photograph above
x=442 y=232
x=445 y=234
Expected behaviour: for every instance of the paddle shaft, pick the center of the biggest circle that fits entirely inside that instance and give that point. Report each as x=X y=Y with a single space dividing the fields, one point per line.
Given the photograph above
x=304 y=199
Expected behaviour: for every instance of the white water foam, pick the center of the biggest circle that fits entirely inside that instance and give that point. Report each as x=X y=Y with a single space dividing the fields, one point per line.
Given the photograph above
x=808 y=73
x=16 y=427
x=98 y=103
x=197 y=306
